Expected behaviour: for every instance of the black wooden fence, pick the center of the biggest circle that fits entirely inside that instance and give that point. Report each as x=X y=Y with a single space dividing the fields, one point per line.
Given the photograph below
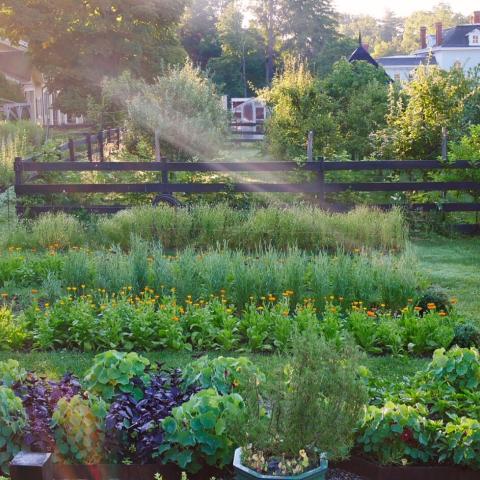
x=91 y=146
x=318 y=186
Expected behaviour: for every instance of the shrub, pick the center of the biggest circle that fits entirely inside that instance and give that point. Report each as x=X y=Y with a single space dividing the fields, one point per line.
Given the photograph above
x=13 y=334
x=78 y=425
x=435 y=296
x=112 y=373
x=12 y=423
x=182 y=104
x=198 y=432
x=318 y=388
x=225 y=375
x=298 y=105
x=467 y=335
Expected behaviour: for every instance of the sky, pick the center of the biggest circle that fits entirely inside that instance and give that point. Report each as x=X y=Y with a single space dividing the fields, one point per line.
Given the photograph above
x=402 y=7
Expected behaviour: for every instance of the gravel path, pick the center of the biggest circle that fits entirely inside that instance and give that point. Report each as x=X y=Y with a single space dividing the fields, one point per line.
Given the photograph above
x=336 y=474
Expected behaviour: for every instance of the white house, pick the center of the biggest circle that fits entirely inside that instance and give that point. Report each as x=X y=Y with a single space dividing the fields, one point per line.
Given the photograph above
x=15 y=64
x=452 y=47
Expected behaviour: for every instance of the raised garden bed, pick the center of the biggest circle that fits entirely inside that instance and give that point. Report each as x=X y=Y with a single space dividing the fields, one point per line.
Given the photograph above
x=374 y=471
x=39 y=466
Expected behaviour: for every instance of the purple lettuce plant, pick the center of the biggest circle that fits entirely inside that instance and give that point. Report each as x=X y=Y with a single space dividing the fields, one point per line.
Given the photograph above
x=133 y=428
x=40 y=397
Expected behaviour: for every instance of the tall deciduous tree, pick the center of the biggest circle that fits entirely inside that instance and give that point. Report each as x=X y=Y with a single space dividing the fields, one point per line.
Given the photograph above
x=77 y=43
x=239 y=70
x=440 y=13
x=432 y=100
x=359 y=92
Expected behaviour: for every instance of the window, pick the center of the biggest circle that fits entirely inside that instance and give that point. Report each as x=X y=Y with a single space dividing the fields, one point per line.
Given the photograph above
x=475 y=39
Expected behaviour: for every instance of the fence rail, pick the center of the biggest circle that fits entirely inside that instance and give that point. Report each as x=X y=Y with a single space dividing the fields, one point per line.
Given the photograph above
x=318 y=185
x=94 y=146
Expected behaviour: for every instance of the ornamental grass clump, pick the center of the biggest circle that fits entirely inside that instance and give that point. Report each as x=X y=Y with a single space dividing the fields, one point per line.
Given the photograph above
x=309 y=410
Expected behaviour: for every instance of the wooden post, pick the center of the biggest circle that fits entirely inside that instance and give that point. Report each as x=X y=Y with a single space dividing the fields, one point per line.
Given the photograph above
x=101 y=151
x=158 y=156
x=31 y=466
x=118 y=138
x=88 y=140
x=444 y=144
x=310 y=147
x=445 y=159
x=321 y=181
x=17 y=167
x=71 y=149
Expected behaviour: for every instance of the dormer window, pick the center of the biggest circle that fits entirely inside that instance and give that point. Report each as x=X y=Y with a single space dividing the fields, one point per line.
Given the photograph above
x=474 y=38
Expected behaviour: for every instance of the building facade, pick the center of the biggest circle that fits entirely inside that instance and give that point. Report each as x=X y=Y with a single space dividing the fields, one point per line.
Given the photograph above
x=457 y=46
x=15 y=64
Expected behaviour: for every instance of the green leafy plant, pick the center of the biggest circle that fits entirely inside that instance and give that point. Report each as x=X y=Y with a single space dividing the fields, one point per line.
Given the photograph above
x=459 y=367
x=224 y=374
x=198 y=432
x=112 y=373
x=13 y=421
x=78 y=425
x=395 y=432
x=11 y=372
x=13 y=332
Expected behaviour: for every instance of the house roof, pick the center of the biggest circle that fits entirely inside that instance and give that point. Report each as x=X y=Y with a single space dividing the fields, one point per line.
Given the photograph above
x=457 y=36
x=361 y=54
x=17 y=65
x=407 y=60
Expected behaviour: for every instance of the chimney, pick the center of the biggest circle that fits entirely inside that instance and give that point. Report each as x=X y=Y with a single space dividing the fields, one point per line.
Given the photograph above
x=423 y=37
x=476 y=17
x=439 y=33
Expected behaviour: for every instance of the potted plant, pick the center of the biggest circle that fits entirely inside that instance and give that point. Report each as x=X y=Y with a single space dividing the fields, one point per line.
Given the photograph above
x=306 y=415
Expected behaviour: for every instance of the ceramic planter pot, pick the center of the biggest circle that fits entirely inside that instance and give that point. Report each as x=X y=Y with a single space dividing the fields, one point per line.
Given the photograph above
x=244 y=473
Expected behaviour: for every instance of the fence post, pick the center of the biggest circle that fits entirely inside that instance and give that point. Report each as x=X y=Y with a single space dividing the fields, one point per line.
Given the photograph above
x=88 y=140
x=100 y=146
x=118 y=138
x=71 y=149
x=310 y=147
x=159 y=158
x=321 y=180
x=31 y=466
x=444 y=144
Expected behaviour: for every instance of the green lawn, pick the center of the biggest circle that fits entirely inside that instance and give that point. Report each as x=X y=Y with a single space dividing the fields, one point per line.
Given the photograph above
x=450 y=263
x=454 y=264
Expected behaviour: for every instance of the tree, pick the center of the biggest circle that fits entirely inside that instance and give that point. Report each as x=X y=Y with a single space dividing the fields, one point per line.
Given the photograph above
x=307 y=26
x=76 y=44
x=433 y=100
x=334 y=50
x=440 y=13
x=239 y=70
x=199 y=34
x=351 y=25
x=390 y=27
x=298 y=105
x=359 y=92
